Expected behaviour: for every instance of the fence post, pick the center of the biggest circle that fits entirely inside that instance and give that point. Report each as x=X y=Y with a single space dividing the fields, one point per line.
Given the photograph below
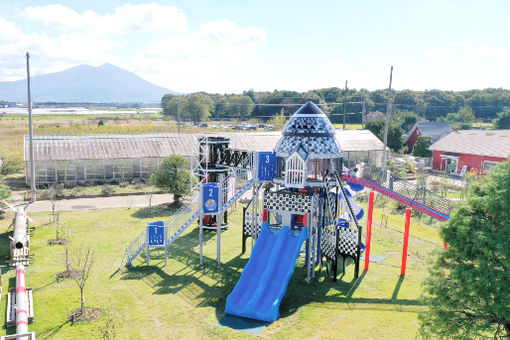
x=406 y=241
x=369 y=228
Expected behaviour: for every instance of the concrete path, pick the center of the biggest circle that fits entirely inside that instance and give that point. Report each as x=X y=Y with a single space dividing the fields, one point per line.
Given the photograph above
x=101 y=202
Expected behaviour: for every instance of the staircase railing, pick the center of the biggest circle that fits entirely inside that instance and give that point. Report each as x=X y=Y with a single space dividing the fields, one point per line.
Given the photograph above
x=409 y=189
x=242 y=174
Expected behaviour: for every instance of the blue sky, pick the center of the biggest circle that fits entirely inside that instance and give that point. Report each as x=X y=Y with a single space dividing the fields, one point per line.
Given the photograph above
x=229 y=46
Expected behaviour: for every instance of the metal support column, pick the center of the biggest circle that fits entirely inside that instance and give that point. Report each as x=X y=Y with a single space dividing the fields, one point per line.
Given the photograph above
x=166 y=245
x=147 y=244
x=201 y=226
x=219 y=218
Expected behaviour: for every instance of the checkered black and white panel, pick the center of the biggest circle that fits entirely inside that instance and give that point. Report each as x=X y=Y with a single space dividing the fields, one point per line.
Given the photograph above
x=248 y=227
x=291 y=202
x=328 y=243
x=348 y=241
x=319 y=147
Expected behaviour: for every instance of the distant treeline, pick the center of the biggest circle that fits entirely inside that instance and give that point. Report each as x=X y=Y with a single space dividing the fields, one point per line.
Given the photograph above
x=430 y=104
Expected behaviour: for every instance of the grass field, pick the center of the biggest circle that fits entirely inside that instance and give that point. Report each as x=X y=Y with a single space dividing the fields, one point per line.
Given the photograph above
x=186 y=300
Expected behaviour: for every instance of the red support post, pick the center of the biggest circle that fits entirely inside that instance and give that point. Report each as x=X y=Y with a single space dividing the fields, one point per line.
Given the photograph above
x=369 y=228
x=406 y=240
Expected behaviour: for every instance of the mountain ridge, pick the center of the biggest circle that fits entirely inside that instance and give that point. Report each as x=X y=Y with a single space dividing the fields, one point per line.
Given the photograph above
x=106 y=83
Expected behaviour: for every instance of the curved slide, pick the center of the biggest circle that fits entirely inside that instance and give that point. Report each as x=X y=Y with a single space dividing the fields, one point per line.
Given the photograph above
x=265 y=277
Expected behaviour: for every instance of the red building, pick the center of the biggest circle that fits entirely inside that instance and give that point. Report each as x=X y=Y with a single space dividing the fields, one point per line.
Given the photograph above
x=470 y=149
x=434 y=130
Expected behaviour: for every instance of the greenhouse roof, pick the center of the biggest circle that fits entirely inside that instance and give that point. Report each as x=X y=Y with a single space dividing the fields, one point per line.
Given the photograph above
x=84 y=147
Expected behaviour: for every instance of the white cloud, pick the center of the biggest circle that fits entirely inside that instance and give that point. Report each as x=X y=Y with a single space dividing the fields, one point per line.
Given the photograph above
x=437 y=52
x=458 y=44
x=228 y=32
x=216 y=54
x=488 y=51
x=50 y=54
x=211 y=58
x=336 y=63
x=125 y=19
x=9 y=30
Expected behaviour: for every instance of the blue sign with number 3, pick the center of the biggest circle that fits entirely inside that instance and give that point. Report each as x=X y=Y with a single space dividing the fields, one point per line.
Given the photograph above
x=267 y=166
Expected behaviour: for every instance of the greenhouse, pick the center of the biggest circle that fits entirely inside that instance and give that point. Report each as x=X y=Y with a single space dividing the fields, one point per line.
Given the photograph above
x=120 y=158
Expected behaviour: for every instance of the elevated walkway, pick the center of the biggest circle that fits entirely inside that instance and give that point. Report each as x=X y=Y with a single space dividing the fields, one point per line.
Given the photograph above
x=405 y=192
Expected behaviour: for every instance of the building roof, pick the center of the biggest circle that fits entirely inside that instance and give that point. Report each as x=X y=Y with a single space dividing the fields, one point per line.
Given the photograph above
x=434 y=130
x=310 y=133
x=494 y=143
x=81 y=147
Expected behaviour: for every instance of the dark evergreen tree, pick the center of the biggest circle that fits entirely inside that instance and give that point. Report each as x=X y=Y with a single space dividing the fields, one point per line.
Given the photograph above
x=173 y=176
x=468 y=290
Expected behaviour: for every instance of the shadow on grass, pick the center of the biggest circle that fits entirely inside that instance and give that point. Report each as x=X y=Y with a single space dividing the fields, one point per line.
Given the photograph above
x=225 y=276
x=37 y=289
x=397 y=287
x=4 y=245
x=50 y=333
x=160 y=210
x=190 y=282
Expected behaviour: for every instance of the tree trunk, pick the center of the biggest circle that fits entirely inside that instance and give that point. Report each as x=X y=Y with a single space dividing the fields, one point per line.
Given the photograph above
x=82 y=309
x=68 y=263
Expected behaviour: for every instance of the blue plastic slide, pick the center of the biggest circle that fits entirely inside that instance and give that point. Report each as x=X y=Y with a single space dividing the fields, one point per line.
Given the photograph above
x=264 y=280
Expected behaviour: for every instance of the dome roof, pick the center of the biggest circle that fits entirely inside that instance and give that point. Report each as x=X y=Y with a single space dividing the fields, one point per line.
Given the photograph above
x=309 y=133
x=309 y=121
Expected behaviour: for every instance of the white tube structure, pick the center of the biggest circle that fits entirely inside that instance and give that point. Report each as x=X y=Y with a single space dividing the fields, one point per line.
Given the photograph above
x=21 y=303
x=20 y=228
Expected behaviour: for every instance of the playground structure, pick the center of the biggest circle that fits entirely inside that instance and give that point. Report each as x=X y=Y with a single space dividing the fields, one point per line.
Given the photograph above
x=20 y=307
x=20 y=311
x=20 y=239
x=311 y=202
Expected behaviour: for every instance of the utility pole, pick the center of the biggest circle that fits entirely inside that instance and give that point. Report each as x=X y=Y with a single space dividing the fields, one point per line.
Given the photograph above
x=345 y=104
x=363 y=113
x=30 y=132
x=386 y=126
x=178 y=116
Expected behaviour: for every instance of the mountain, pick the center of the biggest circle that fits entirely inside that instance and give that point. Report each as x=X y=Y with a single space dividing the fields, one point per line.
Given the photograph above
x=86 y=84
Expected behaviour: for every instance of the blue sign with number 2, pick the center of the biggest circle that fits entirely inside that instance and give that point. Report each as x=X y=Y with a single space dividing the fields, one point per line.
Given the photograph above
x=210 y=198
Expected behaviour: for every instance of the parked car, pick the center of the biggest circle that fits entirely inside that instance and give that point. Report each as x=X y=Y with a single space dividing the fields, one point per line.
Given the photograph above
x=203 y=125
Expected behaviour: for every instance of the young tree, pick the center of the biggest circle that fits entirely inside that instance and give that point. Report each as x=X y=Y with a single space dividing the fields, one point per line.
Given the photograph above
x=468 y=292
x=278 y=121
x=84 y=259
x=173 y=176
x=421 y=148
x=503 y=120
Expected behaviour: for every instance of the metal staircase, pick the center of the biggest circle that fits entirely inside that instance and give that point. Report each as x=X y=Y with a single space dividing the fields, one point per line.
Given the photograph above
x=242 y=177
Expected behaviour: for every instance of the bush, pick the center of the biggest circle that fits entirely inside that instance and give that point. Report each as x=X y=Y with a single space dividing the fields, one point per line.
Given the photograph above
x=107 y=190
x=11 y=163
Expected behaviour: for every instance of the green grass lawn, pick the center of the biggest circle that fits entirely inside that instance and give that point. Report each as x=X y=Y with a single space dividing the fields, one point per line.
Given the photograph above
x=186 y=300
